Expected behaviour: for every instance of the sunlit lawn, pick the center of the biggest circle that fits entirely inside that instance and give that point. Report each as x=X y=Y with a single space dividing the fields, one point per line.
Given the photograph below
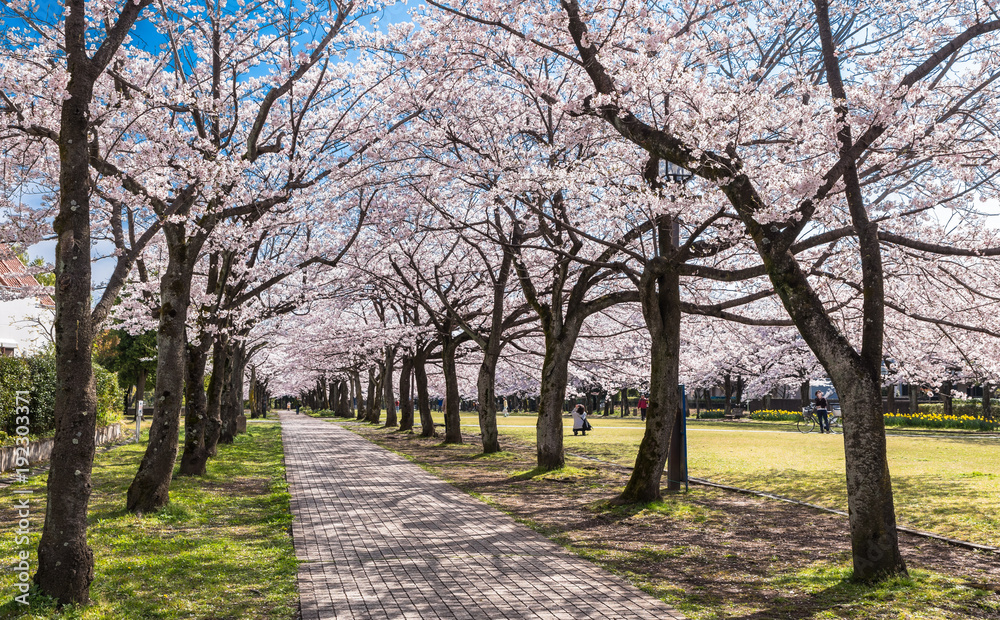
x=221 y=549
x=950 y=486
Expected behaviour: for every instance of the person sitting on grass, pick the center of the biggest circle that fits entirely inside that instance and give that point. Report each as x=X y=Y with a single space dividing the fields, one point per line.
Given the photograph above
x=580 y=423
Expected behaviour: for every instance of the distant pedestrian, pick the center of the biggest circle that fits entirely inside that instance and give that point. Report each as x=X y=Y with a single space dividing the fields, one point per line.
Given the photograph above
x=580 y=423
x=297 y=407
x=643 y=405
x=822 y=413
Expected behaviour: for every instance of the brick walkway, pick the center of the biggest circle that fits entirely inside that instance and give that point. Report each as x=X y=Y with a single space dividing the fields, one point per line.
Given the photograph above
x=381 y=538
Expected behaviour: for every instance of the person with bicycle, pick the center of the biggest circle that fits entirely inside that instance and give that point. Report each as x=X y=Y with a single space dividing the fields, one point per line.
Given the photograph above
x=822 y=413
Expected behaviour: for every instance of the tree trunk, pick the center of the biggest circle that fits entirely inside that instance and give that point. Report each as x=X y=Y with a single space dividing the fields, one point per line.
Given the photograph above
x=232 y=396
x=804 y=394
x=220 y=363
x=987 y=401
x=452 y=414
x=150 y=489
x=549 y=429
x=946 y=398
x=914 y=396
x=423 y=400
x=869 y=491
x=194 y=457
x=891 y=398
x=727 y=408
x=388 y=395
x=253 y=394
x=486 y=389
x=659 y=294
x=405 y=398
x=65 y=561
x=344 y=406
x=857 y=378
x=359 y=401
x=373 y=410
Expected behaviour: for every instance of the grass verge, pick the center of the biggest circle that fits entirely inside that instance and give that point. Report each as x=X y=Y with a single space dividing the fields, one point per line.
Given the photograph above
x=220 y=550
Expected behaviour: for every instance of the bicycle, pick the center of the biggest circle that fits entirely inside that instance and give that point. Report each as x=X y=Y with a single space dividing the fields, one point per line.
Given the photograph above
x=808 y=421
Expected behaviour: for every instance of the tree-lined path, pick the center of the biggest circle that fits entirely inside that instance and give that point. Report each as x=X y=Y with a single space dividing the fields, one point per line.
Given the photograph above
x=381 y=538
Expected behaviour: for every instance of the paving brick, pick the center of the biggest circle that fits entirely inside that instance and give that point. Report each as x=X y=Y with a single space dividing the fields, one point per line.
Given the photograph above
x=381 y=538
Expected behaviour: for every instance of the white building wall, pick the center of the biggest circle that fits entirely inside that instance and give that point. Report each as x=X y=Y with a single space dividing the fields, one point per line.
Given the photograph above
x=19 y=325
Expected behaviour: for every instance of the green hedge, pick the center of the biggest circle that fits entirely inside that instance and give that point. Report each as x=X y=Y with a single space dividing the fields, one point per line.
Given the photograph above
x=36 y=375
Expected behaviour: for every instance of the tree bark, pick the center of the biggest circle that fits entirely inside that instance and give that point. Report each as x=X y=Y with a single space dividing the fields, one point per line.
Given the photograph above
x=727 y=408
x=660 y=298
x=486 y=391
x=150 y=489
x=232 y=398
x=344 y=406
x=220 y=363
x=804 y=394
x=914 y=398
x=987 y=401
x=452 y=414
x=423 y=400
x=405 y=398
x=194 y=457
x=891 y=398
x=65 y=561
x=374 y=411
x=555 y=374
x=359 y=401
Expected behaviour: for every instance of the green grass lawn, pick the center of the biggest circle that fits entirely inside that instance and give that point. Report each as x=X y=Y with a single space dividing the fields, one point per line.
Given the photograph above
x=950 y=486
x=712 y=554
x=221 y=549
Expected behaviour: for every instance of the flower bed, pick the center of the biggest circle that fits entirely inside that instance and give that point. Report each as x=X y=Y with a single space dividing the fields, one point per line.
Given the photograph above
x=939 y=420
x=776 y=415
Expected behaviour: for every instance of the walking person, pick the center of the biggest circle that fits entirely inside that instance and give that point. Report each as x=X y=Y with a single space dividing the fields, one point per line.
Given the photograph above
x=580 y=423
x=822 y=412
x=643 y=405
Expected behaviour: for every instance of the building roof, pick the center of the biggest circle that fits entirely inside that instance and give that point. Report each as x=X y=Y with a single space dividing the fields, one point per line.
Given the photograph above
x=13 y=274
